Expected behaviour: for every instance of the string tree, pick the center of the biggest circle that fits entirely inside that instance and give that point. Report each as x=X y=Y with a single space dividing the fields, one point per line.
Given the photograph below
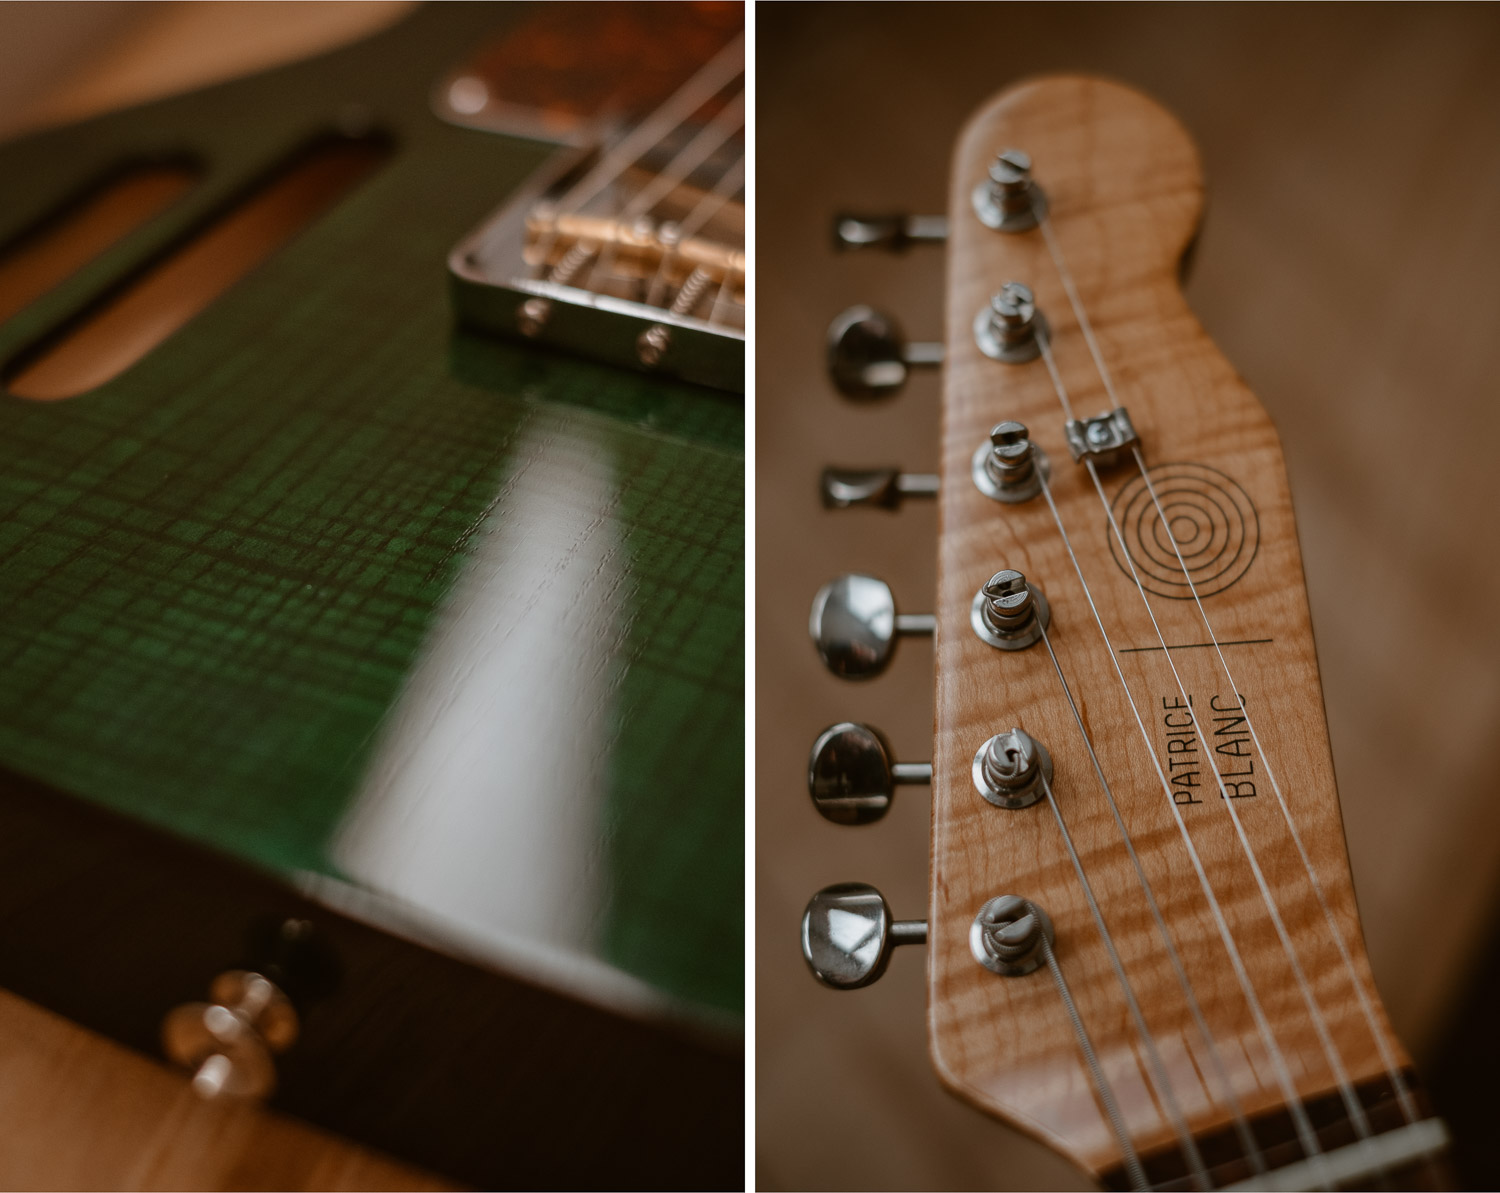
x=1103 y=439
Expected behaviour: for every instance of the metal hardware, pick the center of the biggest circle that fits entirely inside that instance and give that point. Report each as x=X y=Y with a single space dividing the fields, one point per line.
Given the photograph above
x=1008 y=199
x=848 y=933
x=1007 y=936
x=852 y=777
x=1007 y=329
x=1009 y=612
x=230 y=1042
x=868 y=357
x=1010 y=467
x=894 y=233
x=881 y=487
x=1009 y=768
x=652 y=344
x=1103 y=438
x=854 y=625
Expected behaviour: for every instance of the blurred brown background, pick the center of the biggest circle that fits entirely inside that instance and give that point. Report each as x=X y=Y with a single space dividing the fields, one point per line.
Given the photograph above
x=81 y=1112
x=1350 y=269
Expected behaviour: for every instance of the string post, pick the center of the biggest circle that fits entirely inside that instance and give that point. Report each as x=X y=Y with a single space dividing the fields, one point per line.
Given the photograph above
x=1012 y=770
x=1103 y=439
x=1009 y=612
x=1009 y=200
x=1010 y=467
x=1006 y=329
x=1010 y=936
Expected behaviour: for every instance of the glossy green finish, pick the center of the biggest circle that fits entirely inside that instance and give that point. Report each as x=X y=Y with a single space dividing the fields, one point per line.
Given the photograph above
x=217 y=571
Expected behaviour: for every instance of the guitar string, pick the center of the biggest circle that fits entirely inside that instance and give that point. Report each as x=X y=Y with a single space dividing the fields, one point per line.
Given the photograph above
x=1352 y=1105
x=707 y=207
x=1295 y=1108
x=1388 y=1061
x=1398 y=1083
x=708 y=140
x=1320 y=1028
x=1241 y=1124
x=1155 y=1069
x=1101 y=1083
x=709 y=80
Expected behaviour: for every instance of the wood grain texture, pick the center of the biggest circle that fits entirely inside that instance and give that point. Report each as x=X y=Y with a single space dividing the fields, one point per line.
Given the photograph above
x=1125 y=186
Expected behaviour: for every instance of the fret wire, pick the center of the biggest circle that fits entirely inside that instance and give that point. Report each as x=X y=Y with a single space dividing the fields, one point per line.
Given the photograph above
x=1156 y=1070
x=1241 y=1125
x=1294 y=1103
x=1398 y=1083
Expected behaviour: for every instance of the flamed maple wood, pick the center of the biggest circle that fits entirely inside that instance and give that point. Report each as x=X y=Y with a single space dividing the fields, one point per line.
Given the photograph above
x=1126 y=192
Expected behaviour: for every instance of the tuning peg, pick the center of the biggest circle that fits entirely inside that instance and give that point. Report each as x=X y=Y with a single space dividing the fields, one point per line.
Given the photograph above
x=895 y=233
x=848 y=933
x=884 y=488
x=852 y=777
x=854 y=624
x=868 y=356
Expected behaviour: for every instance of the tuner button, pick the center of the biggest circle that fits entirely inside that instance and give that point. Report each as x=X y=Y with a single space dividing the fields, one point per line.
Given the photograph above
x=894 y=233
x=229 y=1043
x=848 y=934
x=868 y=357
x=854 y=625
x=852 y=777
x=884 y=488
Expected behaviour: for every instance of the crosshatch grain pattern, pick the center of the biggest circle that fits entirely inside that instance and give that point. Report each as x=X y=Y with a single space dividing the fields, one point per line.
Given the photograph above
x=1126 y=194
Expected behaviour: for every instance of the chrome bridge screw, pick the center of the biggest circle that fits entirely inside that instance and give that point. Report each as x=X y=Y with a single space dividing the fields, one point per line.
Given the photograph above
x=1010 y=936
x=652 y=344
x=534 y=312
x=1009 y=612
x=1008 y=328
x=1010 y=467
x=1009 y=200
x=1012 y=769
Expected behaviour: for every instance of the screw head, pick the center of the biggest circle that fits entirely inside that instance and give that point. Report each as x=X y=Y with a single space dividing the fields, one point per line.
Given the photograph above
x=1097 y=434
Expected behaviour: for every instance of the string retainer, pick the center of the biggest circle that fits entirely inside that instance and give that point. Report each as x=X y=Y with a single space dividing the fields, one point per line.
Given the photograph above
x=1102 y=439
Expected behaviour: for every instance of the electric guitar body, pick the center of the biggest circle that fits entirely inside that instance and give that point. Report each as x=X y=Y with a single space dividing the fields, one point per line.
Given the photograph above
x=1142 y=940
x=361 y=635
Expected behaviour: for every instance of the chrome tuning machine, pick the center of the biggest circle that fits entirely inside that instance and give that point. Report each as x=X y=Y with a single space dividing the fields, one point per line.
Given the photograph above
x=854 y=625
x=895 y=232
x=848 y=934
x=883 y=488
x=852 y=776
x=869 y=357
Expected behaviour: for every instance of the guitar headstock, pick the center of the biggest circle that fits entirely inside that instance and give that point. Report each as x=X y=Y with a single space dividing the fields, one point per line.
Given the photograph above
x=1143 y=944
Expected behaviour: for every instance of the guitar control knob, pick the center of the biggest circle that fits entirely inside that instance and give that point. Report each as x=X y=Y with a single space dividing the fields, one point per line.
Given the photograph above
x=868 y=357
x=852 y=777
x=229 y=1043
x=894 y=233
x=848 y=933
x=854 y=625
x=884 y=488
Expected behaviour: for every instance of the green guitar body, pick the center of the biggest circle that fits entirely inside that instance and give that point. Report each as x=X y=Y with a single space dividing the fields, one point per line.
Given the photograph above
x=223 y=571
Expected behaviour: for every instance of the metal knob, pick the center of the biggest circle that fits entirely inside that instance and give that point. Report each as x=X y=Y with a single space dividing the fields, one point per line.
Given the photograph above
x=895 y=233
x=854 y=625
x=883 y=488
x=852 y=777
x=848 y=933
x=868 y=356
x=229 y=1043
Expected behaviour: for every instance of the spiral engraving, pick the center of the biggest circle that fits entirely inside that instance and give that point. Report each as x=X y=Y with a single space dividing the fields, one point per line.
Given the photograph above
x=1211 y=517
